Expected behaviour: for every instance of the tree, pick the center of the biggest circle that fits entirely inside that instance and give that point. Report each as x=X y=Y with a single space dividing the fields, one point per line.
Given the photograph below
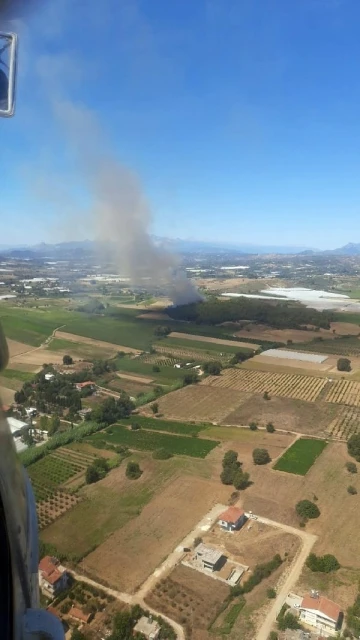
x=343 y=364
x=112 y=410
x=155 y=407
x=271 y=593
x=91 y=475
x=241 y=479
x=351 y=467
x=307 y=509
x=213 y=368
x=261 y=456
x=44 y=423
x=54 y=425
x=227 y=475
x=162 y=454
x=27 y=438
x=156 y=368
x=266 y=395
x=230 y=458
x=133 y=470
x=162 y=331
x=353 y=445
x=324 y=564
x=352 y=490
x=270 y=427
x=273 y=635
x=77 y=635
x=191 y=377
x=288 y=621
x=67 y=360
x=253 y=425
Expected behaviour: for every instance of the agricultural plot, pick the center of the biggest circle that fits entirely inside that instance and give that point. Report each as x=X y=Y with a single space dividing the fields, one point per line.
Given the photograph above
x=171 y=426
x=193 y=355
x=154 y=358
x=344 y=346
x=344 y=392
x=300 y=456
x=143 y=440
x=50 y=473
x=345 y=424
x=278 y=384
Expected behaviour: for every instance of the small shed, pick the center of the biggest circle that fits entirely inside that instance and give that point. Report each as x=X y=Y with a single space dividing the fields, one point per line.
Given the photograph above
x=148 y=627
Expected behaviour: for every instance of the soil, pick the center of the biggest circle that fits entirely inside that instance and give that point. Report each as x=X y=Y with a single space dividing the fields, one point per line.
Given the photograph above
x=132 y=553
x=285 y=413
x=189 y=597
x=17 y=347
x=37 y=357
x=201 y=403
x=7 y=395
x=230 y=343
x=134 y=378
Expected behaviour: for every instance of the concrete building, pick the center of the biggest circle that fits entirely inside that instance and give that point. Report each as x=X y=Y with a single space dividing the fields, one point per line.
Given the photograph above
x=232 y=519
x=321 y=613
x=209 y=557
x=148 y=627
x=52 y=576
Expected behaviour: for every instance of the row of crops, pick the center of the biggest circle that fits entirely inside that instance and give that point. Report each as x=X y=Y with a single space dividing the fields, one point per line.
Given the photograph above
x=344 y=392
x=345 y=424
x=278 y=384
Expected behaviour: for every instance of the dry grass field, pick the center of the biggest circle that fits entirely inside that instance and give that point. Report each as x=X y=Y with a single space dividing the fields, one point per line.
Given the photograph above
x=200 y=403
x=345 y=423
x=263 y=332
x=6 y=396
x=291 y=415
x=130 y=554
x=279 y=384
x=97 y=344
x=219 y=341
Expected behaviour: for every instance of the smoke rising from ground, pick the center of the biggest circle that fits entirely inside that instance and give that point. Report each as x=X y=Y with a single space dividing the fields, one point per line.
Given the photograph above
x=120 y=213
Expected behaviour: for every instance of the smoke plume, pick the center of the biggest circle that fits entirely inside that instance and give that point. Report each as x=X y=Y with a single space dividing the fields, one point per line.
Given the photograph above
x=120 y=212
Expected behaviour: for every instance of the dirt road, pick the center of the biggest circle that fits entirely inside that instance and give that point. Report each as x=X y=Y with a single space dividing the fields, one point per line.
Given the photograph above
x=289 y=578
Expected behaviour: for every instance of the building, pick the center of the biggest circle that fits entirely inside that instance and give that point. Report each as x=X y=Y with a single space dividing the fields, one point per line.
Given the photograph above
x=232 y=519
x=52 y=576
x=79 y=615
x=321 y=613
x=83 y=385
x=209 y=557
x=84 y=412
x=148 y=627
x=49 y=377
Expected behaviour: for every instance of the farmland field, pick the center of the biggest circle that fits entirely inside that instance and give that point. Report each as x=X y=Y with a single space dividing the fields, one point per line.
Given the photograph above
x=344 y=346
x=344 y=392
x=300 y=456
x=190 y=353
x=219 y=342
x=278 y=384
x=200 y=403
x=345 y=424
x=171 y=426
x=143 y=440
x=208 y=344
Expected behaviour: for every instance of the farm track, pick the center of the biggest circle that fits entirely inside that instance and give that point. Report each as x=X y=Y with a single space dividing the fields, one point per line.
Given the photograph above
x=286 y=385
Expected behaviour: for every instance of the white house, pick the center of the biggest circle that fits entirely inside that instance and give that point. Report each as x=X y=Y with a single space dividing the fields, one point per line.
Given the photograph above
x=232 y=519
x=148 y=627
x=321 y=613
x=52 y=576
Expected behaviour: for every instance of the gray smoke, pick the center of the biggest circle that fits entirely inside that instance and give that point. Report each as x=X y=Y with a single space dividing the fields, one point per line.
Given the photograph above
x=120 y=212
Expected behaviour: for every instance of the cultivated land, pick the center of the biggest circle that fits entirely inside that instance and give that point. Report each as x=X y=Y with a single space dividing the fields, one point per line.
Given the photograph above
x=300 y=456
x=218 y=341
x=110 y=348
x=262 y=332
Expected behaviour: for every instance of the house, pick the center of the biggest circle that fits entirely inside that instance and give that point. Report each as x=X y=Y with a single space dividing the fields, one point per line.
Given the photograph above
x=52 y=576
x=148 y=627
x=232 y=519
x=49 y=377
x=79 y=615
x=84 y=412
x=321 y=613
x=209 y=557
x=83 y=385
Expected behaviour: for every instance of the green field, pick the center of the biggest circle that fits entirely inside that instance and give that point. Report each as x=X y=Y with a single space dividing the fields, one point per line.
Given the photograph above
x=50 y=472
x=155 y=424
x=166 y=375
x=300 y=456
x=346 y=346
x=14 y=374
x=208 y=347
x=143 y=440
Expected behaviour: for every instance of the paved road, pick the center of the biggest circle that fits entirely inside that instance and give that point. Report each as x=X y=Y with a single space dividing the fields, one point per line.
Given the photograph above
x=288 y=579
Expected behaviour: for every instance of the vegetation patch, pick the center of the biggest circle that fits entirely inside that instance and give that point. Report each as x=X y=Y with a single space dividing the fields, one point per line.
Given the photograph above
x=143 y=440
x=156 y=424
x=300 y=456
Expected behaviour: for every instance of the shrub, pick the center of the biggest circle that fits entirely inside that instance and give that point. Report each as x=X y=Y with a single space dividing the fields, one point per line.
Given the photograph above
x=324 y=564
x=271 y=593
x=353 y=446
x=261 y=456
x=352 y=490
x=156 y=368
x=162 y=454
x=135 y=426
x=351 y=467
x=270 y=427
x=197 y=541
x=241 y=480
x=253 y=426
x=266 y=395
x=273 y=635
x=155 y=407
x=343 y=364
x=213 y=368
x=133 y=470
x=288 y=621
x=307 y=509
x=230 y=458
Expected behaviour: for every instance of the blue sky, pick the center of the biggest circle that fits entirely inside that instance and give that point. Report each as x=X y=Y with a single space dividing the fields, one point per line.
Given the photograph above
x=240 y=117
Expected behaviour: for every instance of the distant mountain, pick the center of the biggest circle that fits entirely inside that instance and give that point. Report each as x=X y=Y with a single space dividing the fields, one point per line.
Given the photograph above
x=350 y=249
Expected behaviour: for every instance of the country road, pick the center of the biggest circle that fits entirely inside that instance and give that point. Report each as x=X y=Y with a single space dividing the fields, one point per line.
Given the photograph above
x=288 y=579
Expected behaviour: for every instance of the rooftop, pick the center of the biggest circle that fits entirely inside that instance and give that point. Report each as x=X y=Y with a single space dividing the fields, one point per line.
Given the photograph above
x=231 y=515
x=78 y=614
x=88 y=383
x=322 y=605
x=208 y=554
x=49 y=569
x=147 y=626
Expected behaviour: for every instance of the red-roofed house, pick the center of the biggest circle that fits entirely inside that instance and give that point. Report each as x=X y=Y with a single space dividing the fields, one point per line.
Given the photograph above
x=83 y=385
x=232 y=519
x=52 y=577
x=318 y=611
x=78 y=614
